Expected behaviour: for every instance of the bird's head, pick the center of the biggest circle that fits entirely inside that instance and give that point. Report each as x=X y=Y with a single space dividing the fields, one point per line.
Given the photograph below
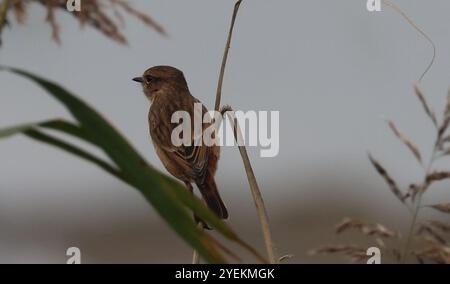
x=160 y=79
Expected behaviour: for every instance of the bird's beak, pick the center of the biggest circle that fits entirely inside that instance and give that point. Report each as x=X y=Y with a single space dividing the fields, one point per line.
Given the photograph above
x=138 y=79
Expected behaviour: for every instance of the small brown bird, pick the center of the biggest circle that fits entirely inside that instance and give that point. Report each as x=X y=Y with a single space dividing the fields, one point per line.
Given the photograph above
x=168 y=92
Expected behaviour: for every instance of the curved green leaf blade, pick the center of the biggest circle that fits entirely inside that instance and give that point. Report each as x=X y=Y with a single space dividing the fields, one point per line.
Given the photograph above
x=205 y=242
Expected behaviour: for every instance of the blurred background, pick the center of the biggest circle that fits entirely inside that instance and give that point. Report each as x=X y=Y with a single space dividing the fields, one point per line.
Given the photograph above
x=334 y=71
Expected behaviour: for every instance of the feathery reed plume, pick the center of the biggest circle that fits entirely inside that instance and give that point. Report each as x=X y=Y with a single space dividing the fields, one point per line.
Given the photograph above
x=443 y=207
x=94 y=13
x=378 y=233
x=432 y=236
x=413 y=198
x=410 y=144
x=388 y=179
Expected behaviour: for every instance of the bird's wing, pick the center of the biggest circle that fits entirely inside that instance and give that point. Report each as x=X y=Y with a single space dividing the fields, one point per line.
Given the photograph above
x=191 y=158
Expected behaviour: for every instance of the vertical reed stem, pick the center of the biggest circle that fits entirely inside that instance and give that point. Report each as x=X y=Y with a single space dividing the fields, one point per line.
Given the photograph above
x=256 y=193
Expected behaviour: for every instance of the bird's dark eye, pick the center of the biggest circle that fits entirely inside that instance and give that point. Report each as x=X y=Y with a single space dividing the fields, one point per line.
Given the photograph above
x=150 y=79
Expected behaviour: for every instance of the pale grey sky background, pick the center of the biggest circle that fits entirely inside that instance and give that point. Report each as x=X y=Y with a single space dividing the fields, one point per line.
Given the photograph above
x=333 y=70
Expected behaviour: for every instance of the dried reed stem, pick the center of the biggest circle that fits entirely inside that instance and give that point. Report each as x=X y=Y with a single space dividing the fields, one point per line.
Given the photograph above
x=256 y=193
x=225 y=56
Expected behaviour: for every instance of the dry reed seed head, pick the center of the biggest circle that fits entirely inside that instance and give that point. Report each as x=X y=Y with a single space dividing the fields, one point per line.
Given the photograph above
x=95 y=13
x=443 y=128
x=367 y=229
x=434 y=252
x=436 y=176
x=346 y=224
x=379 y=230
x=382 y=231
x=442 y=141
x=426 y=230
x=388 y=179
x=118 y=15
x=444 y=227
x=358 y=256
x=354 y=253
x=425 y=105
x=409 y=143
x=432 y=232
x=442 y=207
x=430 y=241
x=332 y=249
x=285 y=257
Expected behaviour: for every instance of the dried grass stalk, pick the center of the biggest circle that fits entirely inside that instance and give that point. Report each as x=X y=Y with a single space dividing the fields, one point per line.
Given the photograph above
x=418 y=29
x=413 y=190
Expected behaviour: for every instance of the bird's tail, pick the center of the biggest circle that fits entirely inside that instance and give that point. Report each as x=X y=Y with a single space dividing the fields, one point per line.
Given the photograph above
x=210 y=194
